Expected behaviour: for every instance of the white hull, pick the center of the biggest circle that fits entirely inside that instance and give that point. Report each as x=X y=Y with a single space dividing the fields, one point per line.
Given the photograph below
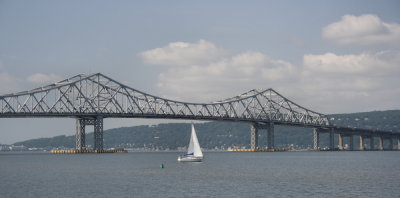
x=189 y=159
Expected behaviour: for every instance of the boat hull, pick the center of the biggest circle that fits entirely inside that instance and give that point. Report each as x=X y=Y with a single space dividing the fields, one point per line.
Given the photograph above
x=189 y=159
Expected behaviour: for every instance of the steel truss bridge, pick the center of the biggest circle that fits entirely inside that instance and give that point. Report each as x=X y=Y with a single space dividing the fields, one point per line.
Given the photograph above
x=91 y=98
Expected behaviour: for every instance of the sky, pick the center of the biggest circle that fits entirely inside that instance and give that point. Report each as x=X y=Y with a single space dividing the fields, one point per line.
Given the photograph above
x=338 y=56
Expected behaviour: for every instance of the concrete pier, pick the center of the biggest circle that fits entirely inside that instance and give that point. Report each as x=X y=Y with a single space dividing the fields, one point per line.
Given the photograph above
x=381 y=143
x=398 y=143
x=362 y=142
x=341 y=136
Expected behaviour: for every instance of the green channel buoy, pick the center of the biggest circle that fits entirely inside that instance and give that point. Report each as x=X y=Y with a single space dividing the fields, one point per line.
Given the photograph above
x=161 y=165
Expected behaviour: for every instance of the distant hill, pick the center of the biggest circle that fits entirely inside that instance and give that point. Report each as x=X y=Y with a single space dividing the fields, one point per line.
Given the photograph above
x=220 y=135
x=384 y=120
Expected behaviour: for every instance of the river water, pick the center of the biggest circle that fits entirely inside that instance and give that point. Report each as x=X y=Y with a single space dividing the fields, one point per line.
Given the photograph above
x=221 y=174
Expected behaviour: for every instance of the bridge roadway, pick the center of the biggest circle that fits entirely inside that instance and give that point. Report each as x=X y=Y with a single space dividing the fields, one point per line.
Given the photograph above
x=91 y=98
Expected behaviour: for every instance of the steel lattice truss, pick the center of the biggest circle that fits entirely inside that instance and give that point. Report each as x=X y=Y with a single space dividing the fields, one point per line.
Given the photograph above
x=98 y=95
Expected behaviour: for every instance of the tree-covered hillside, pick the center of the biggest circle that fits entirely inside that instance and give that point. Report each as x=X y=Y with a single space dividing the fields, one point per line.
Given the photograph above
x=219 y=135
x=384 y=120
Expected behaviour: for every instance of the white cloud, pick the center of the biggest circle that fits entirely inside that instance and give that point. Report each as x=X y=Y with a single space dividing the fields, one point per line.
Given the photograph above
x=43 y=78
x=381 y=63
x=221 y=79
x=362 y=30
x=348 y=83
x=325 y=83
x=183 y=54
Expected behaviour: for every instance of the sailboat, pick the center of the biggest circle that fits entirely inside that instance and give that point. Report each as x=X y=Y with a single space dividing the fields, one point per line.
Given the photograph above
x=194 y=153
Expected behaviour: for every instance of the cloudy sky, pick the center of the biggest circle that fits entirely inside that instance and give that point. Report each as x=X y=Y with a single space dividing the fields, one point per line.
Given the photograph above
x=330 y=56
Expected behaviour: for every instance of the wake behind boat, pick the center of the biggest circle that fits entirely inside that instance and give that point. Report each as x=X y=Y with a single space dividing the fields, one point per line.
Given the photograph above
x=194 y=153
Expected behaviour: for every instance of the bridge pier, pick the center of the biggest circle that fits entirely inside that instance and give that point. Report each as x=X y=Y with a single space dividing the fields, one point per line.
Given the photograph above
x=80 y=134
x=390 y=143
x=362 y=142
x=341 y=136
x=332 y=139
x=253 y=136
x=398 y=143
x=81 y=123
x=380 y=143
x=351 y=143
x=254 y=127
x=98 y=133
x=316 y=139
x=270 y=136
x=316 y=135
x=372 y=143
x=382 y=139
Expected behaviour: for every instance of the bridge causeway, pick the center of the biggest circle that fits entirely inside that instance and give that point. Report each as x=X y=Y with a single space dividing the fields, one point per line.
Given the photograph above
x=91 y=98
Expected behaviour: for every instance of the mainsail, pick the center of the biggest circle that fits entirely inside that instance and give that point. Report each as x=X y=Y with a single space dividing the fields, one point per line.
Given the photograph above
x=194 y=146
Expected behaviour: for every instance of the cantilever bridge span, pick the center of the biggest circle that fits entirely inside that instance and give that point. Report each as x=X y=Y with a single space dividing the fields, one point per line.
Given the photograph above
x=91 y=98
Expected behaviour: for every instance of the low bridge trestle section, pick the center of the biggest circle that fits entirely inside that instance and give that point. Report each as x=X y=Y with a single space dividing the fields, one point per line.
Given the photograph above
x=364 y=134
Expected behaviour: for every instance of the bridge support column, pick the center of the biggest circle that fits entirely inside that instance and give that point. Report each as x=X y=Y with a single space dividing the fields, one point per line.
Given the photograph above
x=380 y=143
x=270 y=134
x=98 y=133
x=331 y=140
x=341 y=136
x=362 y=143
x=81 y=123
x=351 y=143
x=390 y=143
x=80 y=134
x=398 y=143
x=372 y=143
x=253 y=136
x=316 y=139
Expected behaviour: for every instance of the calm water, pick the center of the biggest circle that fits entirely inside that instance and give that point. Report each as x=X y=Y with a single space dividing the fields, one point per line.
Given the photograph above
x=222 y=174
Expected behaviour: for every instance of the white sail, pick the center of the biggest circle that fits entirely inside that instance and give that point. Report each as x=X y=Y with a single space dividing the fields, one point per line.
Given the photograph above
x=194 y=146
x=194 y=153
